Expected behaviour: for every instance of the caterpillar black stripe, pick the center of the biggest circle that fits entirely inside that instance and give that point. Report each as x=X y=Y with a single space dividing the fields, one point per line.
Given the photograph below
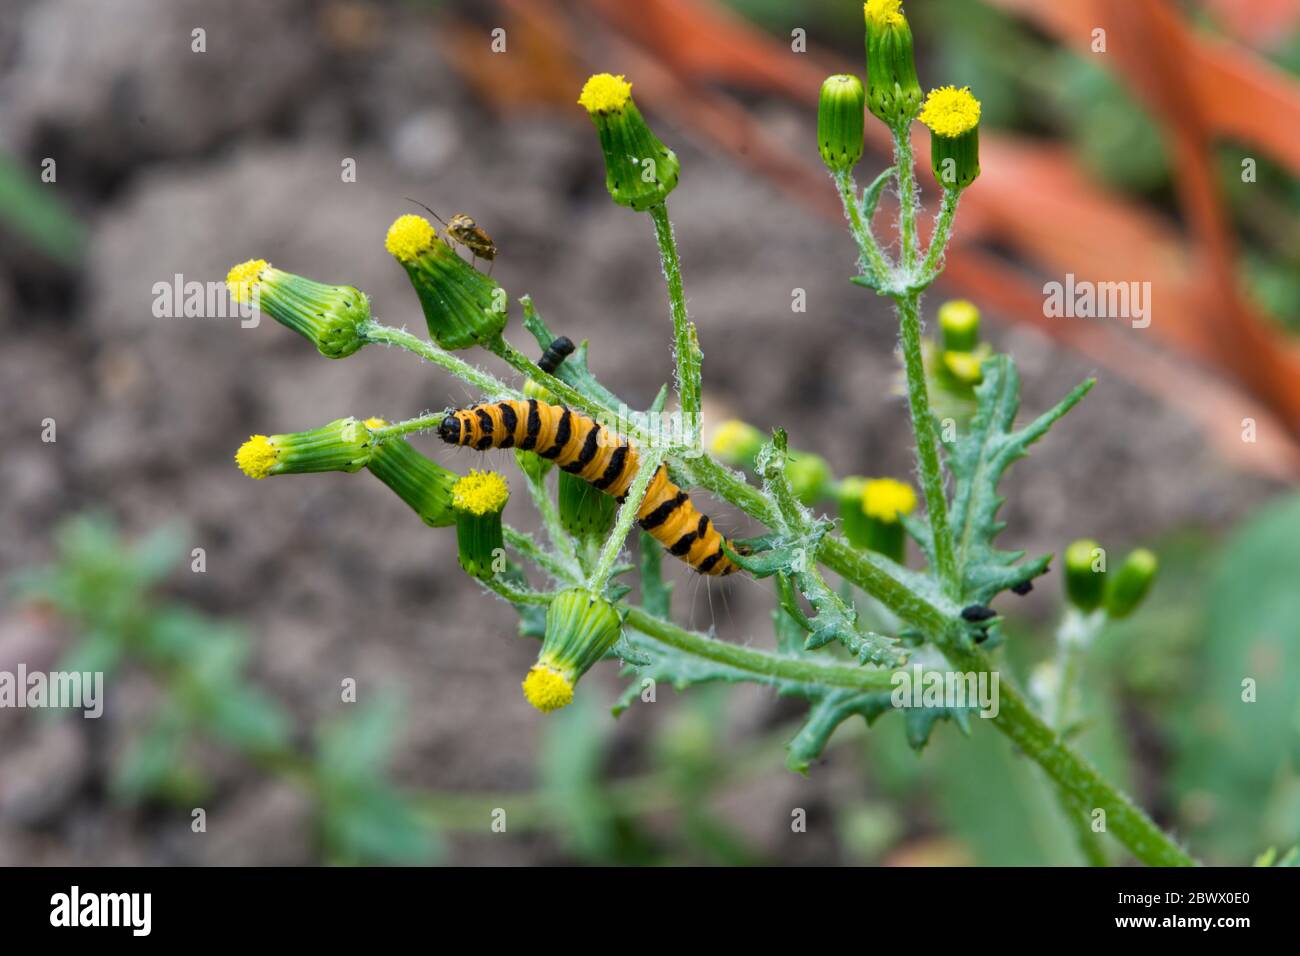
x=585 y=448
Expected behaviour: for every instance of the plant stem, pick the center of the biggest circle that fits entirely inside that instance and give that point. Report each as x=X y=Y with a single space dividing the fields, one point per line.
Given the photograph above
x=763 y=666
x=927 y=451
x=1072 y=772
x=623 y=523
x=903 y=159
x=559 y=538
x=942 y=233
x=485 y=382
x=872 y=258
x=685 y=344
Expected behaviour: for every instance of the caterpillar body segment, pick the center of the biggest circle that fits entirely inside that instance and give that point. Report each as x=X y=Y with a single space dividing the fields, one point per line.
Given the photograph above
x=584 y=447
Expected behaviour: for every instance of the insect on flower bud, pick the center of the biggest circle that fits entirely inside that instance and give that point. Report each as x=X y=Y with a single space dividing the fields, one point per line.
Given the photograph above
x=1127 y=587
x=893 y=91
x=841 y=121
x=953 y=116
x=462 y=306
x=736 y=443
x=584 y=511
x=343 y=445
x=580 y=630
x=884 y=502
x=809 y=476
x=640 y=171
x=1085 y=574
x=959 y=321
x=325 y=315
x=478 y=500
x=421 y=483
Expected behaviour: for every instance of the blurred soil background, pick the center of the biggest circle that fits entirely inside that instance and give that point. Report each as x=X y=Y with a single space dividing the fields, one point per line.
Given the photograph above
x=174 y=162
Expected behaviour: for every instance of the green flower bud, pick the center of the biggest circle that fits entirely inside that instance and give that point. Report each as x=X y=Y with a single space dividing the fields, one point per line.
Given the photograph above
x=585 y=512
x=325 y=315
x=421 y=483
x=953 y=116
x=893 y=91
x=841 y=121
x=342 y=445
x=959 y=321
x=462 y=306
x=580 y=630
x=478 y=499
x=1085 y=574
x=1127 y=587
x=853 y=519
x=640 y=171
x=809 y=476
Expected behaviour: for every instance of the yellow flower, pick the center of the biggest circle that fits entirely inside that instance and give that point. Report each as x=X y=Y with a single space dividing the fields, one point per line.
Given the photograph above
x=950 y=112
x=408 y=236
x=480 y=493
x=886 y=499
x=242 y=280
x=885 y=13
x=605 y=93
x=547 y=689
x=256 y=456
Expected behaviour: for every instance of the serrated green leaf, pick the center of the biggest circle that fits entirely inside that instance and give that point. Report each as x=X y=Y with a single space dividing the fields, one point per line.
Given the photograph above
x=977 y=460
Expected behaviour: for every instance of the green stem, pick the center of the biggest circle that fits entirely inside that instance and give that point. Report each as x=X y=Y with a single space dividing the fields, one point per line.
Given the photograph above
x=927 y=450
x=525 y=546
x=623 y=523
x=485 y=382
x=942 y=233
x=905 y=162
x=685 y=345
x=559 y=537
x=517 y=595
x=1072 y=772
x=872 y=258
x=764 y=667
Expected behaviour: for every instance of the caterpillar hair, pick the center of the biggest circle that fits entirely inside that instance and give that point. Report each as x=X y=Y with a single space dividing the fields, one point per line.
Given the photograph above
x=559 y=349
x=585 y=448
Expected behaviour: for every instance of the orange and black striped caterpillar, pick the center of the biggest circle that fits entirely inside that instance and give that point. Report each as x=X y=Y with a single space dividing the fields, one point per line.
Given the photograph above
x=585 y=448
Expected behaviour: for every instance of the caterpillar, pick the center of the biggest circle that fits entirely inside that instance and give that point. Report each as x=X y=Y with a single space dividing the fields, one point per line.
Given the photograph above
x=585 y=448
x=555 y=353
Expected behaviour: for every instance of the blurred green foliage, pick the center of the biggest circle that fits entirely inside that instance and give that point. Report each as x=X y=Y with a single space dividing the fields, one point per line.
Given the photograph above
x=107 y=589
x=29 y=209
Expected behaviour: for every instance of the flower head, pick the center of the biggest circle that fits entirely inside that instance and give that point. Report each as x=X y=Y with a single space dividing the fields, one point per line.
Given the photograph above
x=480 y=492
x=243 y=279
x=547 y=689
x=408 y=236
x=605 y=93
x=580 y=630
x=329 y=316
x=256 y=456
x=887 y=500
x=884 y=13
x=345 y=444
x=640 y=171
x=950 y=112
x=462 y=306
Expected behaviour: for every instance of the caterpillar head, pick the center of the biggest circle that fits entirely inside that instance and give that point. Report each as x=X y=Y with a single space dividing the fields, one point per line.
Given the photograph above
x=449 y=430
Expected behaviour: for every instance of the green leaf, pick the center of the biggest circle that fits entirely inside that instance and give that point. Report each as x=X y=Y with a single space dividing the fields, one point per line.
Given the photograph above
x=32 y=210
x=656 y=594
x=977 y=460
x=871 y=195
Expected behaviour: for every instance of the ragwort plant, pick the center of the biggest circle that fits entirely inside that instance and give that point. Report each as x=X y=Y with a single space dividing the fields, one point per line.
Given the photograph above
x=840 y=657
